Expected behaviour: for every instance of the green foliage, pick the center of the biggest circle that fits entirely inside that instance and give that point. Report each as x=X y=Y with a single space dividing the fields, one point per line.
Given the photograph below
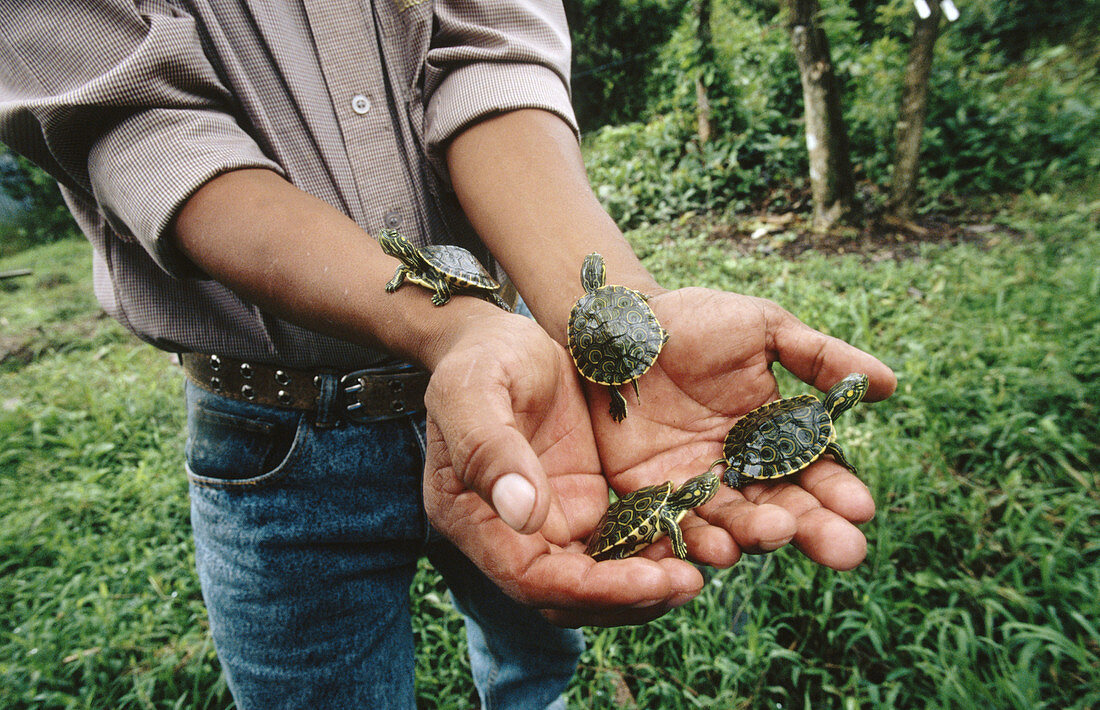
x=656 y=170
x=980 y=584
x=1025 y=126
x=39 y=214
x=614 y=46
x=624 y=163
x=994 y=124
x=1021 y=25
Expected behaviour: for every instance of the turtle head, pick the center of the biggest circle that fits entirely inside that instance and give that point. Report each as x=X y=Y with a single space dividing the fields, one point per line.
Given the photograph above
x=593 y=272
x=844 y=394
x=395 y=244
x=696 y=491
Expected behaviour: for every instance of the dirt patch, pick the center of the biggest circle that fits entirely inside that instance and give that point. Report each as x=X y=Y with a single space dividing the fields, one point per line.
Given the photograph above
x=18 y=349
x=876 y=238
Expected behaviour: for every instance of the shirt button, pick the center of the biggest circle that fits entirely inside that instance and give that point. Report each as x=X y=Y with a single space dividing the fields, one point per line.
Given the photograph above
x=360 y=104
x=392 y=219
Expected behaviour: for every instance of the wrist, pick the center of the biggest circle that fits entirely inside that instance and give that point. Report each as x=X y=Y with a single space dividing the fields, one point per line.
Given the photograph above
x=300 y=259
x=521 y=180
x=463 y=323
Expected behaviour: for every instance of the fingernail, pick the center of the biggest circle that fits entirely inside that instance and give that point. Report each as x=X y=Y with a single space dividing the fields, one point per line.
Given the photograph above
x=514 y=499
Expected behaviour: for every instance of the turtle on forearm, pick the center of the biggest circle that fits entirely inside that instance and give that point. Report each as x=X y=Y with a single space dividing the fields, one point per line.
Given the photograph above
x=444 y=269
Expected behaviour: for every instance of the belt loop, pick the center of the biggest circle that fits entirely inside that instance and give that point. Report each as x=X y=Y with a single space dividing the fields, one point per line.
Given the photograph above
x=328 y=414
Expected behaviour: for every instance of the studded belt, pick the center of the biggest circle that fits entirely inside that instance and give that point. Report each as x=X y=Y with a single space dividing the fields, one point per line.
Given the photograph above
x=364 y=395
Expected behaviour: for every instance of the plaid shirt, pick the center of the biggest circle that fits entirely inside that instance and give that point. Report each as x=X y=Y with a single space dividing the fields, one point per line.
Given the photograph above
x=132 y=105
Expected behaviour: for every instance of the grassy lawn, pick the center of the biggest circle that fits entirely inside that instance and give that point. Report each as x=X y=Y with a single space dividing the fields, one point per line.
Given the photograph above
x=980 y=586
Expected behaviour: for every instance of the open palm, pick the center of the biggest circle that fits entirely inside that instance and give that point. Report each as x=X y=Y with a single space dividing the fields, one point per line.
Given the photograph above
x=716 y=367
x=508 y=430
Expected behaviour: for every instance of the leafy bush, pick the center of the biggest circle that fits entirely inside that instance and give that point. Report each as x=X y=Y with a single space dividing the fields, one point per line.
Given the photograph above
x=654 y=171
x=1007 y=127
x=646 y=171
x=39 y=215
x=994 y=125
x=614 y=49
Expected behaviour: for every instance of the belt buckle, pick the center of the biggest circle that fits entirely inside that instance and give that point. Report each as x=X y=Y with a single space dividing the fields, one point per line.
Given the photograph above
x=377 y=394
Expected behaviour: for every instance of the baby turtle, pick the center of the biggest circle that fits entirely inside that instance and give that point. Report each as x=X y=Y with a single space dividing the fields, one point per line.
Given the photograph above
x=614 y=337
x=441 y=268
x=639 y=518
x=786 y=436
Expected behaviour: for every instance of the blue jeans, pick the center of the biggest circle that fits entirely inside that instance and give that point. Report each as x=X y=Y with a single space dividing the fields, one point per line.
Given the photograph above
x=306 y=542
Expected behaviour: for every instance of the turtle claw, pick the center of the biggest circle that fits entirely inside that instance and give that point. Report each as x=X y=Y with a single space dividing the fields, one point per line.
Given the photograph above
x=618 y=404
x=397 y=279
x=500 y=302
x=671 y=527
x=734 y=479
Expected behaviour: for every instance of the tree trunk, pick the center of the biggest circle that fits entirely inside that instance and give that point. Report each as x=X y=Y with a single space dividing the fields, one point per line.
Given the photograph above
x=826 y=135
x=911 y=115
x=705 y=43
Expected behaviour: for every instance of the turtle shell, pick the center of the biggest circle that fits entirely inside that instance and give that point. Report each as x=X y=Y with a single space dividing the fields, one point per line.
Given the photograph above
x=779 y=438
x=629 y=524
x=614 y=337
x=458 y=266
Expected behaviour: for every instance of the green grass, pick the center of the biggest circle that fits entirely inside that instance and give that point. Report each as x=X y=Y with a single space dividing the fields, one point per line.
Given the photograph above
x=980 y=586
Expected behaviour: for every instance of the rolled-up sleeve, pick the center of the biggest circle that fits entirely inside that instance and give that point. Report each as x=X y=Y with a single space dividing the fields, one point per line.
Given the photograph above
x=117 y=101
x=491 y=57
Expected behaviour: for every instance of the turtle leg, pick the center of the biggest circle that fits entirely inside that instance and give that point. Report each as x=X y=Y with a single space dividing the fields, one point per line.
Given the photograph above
x=734 y=479
x=667 y=523
x=494 y=297
x=834 y=449
x=618 y=404
x=442 y=292
x=398 y=278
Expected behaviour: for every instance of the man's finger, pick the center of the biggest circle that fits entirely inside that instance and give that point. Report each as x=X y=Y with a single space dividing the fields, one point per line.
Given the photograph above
x=474 y=417
x=824 y=532
x=822 y=360
x=546 y=576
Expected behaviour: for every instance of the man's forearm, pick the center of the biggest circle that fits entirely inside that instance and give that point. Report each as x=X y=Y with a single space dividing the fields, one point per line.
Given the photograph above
x=521 y=181
x=301 y=259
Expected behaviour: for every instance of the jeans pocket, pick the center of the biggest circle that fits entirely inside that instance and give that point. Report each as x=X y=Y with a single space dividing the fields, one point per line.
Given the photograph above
x=225 y=449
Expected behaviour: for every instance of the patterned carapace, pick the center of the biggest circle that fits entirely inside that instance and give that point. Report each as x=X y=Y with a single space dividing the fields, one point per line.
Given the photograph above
x=443 y=269
x=614 y=337
x=639 y=518
x=786 y=436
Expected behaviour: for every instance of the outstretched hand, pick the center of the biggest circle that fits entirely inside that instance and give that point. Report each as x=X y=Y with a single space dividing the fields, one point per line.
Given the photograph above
x=513 y=479
x=518 y=460
x=715 y=368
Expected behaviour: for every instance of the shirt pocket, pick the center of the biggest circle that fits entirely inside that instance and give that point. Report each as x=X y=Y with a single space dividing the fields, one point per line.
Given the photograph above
x=416 y=17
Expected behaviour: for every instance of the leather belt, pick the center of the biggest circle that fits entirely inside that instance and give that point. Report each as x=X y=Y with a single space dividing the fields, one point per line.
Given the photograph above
x=364 y=395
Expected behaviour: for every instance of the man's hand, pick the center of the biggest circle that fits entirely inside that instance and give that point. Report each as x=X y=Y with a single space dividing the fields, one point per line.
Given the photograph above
x=716 y=367
x=511 y=451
